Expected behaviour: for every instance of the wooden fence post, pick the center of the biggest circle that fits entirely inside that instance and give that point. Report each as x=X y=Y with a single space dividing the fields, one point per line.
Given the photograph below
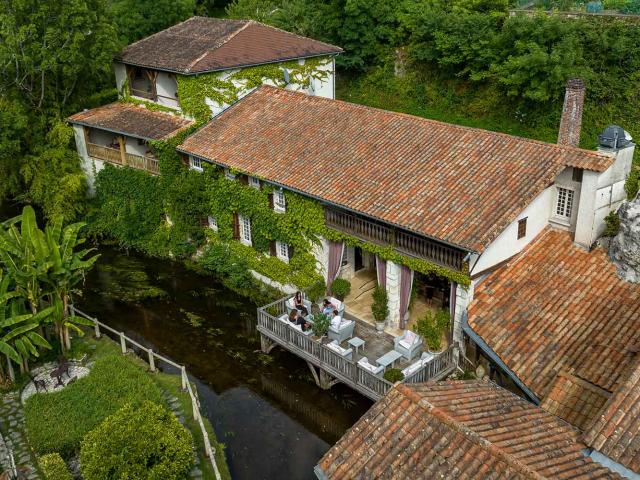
x=123 y=343
x=97 y=328
x=184 y=379
x=152 y=363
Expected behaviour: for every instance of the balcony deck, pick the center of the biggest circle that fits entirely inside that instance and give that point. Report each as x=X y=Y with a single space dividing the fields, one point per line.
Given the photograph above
x=335 y=368
x=115 y=156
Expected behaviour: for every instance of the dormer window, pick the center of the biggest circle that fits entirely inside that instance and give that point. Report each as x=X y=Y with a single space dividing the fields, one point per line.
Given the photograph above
x=564 y=203
x=279 y=203
x=229 y=175
x=577 y=174
x=195 y=164
x=254 y=182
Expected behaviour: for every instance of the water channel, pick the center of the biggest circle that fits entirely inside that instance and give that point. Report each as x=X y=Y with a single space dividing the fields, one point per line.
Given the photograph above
x=266 y=409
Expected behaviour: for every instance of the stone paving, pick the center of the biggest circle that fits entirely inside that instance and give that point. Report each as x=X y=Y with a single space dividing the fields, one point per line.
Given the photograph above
x=13 y=430
x=176 y=408
x=43 y=373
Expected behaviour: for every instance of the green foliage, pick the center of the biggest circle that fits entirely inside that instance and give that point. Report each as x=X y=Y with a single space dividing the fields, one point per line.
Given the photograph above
x=13 y=127
x=380 y=305
x=632 y=184
x=57 y=422
x=340 y=288
x=612 y=225
x=226 y=89
x=136 y=19
x=316 y=291
x=432 y=327
x=53 y=467
x=320 y=325
x=393 y=375
x=143 y=442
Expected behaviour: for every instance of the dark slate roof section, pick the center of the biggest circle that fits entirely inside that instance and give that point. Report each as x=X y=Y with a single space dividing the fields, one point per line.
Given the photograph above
x=133 y=120
x=202 y=44
x=459 y=185
x=459 y=429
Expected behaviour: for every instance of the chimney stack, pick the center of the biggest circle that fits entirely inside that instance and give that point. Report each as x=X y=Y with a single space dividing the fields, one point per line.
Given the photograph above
x=571 y=121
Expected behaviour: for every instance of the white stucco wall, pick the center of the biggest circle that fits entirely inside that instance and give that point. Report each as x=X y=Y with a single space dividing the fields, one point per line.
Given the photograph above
x=132 y=146
x=121 y=75
x=320 y=252
x=90 y=166
x=565 y=180
x=507 y=244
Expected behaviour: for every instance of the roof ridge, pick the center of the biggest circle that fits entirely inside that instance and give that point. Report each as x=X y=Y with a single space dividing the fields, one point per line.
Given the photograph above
x=439 y=122
x=224 y=41
x=468 y=432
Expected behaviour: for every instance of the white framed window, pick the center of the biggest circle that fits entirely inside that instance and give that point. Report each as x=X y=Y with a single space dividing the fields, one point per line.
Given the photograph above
x=282 y=251
x=279 y=202
x=245 y=230
x=229 y=175
x=195 y=164
x=564 y=203
x=254 y=182
x=213 y=223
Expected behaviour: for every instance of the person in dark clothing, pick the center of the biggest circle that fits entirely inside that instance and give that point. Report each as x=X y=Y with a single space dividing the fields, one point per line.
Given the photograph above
x=298 y=302
x=297 y=319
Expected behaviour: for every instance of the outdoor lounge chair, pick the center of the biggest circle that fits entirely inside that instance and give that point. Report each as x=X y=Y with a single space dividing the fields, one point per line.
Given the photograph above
x=338 y=304
x=377 y=370
x=425 y=358
x=38 y=383
x=409 y=344
x=291 y=306
x=343 y=332
x=344 y=352
x=299 y=328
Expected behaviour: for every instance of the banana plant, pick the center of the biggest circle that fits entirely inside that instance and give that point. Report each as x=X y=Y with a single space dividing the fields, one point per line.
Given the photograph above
x=18 y=339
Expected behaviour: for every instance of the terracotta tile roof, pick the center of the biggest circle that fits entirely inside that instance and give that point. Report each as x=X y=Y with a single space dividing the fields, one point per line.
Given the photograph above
x=460 y=185
x=557 y=307
x=574 y=400
x=616 y=431
x=132 y=120
x=202 y=44
x=472 y=429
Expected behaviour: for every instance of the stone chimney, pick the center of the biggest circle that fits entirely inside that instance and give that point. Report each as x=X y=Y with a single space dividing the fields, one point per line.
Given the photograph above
x=571 y=121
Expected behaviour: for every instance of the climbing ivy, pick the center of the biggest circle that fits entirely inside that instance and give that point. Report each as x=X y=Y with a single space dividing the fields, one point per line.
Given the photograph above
x=224 y=88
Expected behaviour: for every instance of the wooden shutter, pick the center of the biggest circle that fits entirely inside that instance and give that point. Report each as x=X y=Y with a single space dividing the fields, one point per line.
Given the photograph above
x=236 y=227
x=244 y=179
x=204 y=222
x=185 y=160
x=272 y=248
x=290 y=251
x=153 y=77
x=271 y=201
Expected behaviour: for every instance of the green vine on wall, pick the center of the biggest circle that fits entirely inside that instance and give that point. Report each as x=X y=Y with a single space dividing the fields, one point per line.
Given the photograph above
x=224 y=88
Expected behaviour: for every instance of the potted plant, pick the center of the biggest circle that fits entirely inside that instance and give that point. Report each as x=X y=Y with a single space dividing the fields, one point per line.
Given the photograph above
x=432 y=327
x=320 y=325
x=380 y=307
x=316 y=291
x=340 y=288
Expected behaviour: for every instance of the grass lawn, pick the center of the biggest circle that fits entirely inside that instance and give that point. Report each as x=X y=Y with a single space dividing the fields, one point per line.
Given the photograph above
x=57 y=422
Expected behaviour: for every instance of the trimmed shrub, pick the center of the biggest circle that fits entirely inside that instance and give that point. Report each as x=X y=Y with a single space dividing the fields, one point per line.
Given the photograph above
x=53 y=467
x=57 y=422
x=612 y=222
x=394 y=375
x=320 y=325
x=340 y=288
x=144 y=442
x=380 y=307
x=432 y=326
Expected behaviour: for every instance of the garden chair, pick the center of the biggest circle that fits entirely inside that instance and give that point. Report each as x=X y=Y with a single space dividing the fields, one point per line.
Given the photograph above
x=342 y=332
x=376 y=370
x=63 y=366
x=409 y=344
x=38 y=383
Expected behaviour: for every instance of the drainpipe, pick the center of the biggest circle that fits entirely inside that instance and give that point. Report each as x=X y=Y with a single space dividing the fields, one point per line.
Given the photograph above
x=496 y=359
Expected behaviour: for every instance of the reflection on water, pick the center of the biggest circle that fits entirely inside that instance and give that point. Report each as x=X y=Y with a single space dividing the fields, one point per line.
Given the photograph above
x=275 y=422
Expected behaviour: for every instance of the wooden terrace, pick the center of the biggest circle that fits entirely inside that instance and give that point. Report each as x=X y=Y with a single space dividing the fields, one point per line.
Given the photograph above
x=329 y=367
x=119 y=156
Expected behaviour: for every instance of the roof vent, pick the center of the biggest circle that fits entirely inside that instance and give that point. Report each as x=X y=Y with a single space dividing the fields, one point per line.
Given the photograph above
x=614 y=137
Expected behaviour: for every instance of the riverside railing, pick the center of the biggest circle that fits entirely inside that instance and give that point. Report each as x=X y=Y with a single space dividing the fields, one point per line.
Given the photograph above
x=151 y=359
x=343 y=369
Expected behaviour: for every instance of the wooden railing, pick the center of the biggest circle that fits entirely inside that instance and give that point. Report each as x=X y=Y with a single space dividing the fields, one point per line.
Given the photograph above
x=404 y=242
x=114 y=155
x=341 y=368
x=152 y=357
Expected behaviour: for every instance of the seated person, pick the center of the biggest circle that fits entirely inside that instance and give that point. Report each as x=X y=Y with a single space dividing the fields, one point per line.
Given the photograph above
x=298 y=303
x=297 y=319
x=336 y=320
x=328 y=308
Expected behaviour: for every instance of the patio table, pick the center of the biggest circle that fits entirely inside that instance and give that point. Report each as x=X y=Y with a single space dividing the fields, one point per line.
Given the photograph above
x=388 y=358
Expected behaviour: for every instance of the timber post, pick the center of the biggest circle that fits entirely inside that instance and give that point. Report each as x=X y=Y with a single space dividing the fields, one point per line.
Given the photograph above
x=97 y=329
x=152 y=361
x=183 y=378
x=123 y=343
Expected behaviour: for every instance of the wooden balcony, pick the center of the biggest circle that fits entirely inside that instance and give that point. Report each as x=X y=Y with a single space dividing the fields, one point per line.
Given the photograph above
x=115 y=156
x=343 y=369
x=404 y=242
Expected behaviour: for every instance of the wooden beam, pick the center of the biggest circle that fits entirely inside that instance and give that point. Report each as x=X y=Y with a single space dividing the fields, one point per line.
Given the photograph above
x=122 y=141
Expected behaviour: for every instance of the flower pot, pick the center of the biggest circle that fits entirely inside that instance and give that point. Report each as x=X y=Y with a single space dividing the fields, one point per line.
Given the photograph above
x=380 y=326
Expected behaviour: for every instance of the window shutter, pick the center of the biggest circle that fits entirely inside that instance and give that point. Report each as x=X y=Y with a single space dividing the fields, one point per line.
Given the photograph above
x=244 y=180
x=236 y=227
x=290 y=251
x=271 y=201
x=204 y=222
x=185 y=159
x=272 y=249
